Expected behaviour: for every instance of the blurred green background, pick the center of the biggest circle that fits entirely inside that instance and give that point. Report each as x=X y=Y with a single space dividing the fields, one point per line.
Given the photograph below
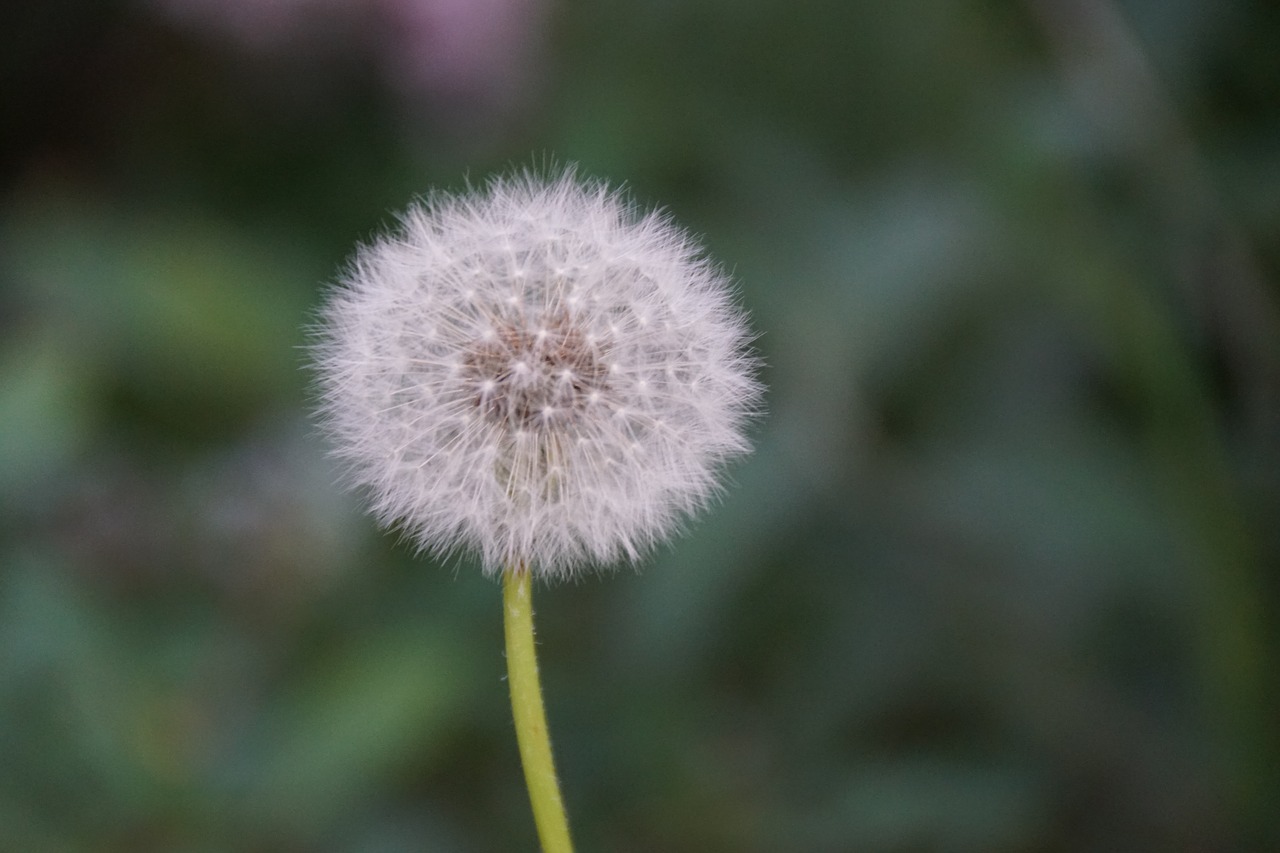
x=1000 y=576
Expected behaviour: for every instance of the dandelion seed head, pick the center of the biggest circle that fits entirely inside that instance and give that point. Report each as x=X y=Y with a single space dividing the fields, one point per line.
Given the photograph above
x=536 y=372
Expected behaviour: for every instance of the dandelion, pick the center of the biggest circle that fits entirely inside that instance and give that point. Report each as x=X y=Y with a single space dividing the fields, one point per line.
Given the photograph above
x=536 y=374
x=542 y=375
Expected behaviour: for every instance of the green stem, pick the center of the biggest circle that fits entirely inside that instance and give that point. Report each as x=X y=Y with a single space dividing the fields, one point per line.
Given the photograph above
x=530 y=718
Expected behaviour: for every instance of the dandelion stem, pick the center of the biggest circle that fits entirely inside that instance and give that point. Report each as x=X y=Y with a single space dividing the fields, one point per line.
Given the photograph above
x=530 y=718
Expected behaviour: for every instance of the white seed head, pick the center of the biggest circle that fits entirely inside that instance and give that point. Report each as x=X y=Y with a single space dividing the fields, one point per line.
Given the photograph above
x=536 y=372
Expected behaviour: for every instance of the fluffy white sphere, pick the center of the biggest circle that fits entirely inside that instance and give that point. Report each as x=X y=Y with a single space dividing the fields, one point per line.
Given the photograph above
x=536 y=372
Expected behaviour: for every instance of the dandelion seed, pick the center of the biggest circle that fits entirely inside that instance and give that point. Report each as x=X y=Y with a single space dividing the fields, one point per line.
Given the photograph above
x=536 y=372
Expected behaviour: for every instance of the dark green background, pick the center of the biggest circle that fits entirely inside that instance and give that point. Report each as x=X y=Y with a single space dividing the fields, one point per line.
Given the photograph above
x=1000 y=576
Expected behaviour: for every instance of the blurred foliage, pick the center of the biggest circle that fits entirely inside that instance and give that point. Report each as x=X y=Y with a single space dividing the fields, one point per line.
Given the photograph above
x=1001 y=575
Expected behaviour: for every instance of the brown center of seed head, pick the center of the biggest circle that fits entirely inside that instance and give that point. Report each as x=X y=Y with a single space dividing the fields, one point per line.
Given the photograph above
x=535 y=377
